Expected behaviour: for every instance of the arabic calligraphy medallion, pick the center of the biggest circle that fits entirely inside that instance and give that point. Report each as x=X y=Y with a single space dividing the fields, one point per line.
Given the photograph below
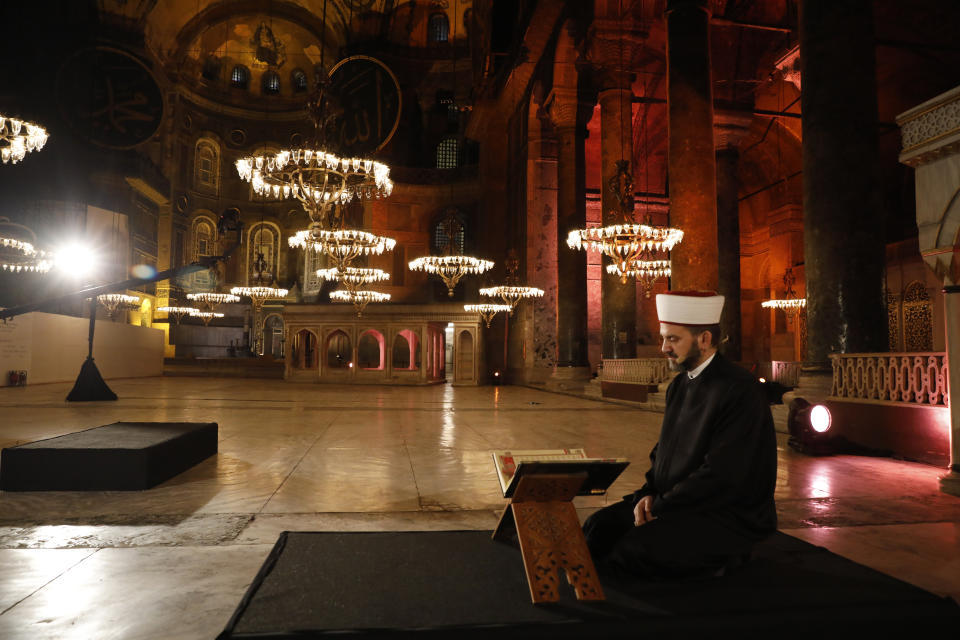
x=370 y=97
x=109 y=97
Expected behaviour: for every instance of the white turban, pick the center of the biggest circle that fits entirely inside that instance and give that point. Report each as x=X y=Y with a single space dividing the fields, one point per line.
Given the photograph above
x=689 y=308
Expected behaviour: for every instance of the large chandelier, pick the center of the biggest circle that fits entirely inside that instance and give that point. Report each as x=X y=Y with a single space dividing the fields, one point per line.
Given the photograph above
x=206 y=316
x=17 y=138
x=790 y=304
x=360 y=298
x=177 y=313
x=353 y=278
x=17 y=256
x=113 y=301
x=512 y=294
x=341 y=246
x=646 y=272
x=635 y=249
x=487 y=311
x=318 y=179
x=450 y=268
x=208 y=300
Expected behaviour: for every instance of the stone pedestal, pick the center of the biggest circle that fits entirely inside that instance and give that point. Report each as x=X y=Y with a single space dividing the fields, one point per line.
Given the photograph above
x=843 y=230
x=692 y=166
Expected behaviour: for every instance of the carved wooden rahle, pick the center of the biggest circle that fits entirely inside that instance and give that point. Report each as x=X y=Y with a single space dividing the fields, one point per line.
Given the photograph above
x=544 y=520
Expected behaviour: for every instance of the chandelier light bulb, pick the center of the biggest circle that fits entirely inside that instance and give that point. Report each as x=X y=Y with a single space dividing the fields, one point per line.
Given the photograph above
x=17 y=138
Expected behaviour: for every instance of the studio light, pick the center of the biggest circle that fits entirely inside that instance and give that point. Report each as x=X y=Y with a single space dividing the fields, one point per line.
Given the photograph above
x=810 y=428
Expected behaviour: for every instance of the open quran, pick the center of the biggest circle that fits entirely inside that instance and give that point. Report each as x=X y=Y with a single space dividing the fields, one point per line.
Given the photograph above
x=513 y=465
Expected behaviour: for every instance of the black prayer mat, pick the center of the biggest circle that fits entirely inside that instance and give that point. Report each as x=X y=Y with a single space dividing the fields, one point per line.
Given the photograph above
x=123 y=456
x=462 y=584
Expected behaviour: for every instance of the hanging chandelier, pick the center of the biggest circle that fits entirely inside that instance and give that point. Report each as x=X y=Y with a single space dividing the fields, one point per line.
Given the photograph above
x=450 y=268
x=318 y=179
x=512 y=294
x=206 y=316
x=341 y=246
x=353 y=278
x=790 y=304
x=645 y=272
x=359 y=298
x=178 y=312
x=259 y=295
x=18 y=256
x=487 y=311
x=17 y=138
x=113 y=301
x=208 y=300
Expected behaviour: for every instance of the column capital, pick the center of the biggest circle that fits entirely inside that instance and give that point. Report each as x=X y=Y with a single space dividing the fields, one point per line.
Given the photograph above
x=561 y=106
x=615 y=48
x=729 y=128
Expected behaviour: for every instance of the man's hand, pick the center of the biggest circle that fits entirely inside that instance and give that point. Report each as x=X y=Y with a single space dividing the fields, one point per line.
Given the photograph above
x=642 y=513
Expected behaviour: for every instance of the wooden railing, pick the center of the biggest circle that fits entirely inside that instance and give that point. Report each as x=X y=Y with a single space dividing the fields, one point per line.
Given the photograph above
x=911 y=378
x=637 y=370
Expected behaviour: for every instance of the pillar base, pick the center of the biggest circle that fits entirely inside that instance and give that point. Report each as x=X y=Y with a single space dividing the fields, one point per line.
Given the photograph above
x=568 y=378
x=815 y=385
x=950 y=482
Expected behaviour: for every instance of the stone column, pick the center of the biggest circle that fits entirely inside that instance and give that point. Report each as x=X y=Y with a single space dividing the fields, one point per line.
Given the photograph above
x=571 y=215
x=730 y=128
x=843 y=230
x=615 y=46
x=691 y=163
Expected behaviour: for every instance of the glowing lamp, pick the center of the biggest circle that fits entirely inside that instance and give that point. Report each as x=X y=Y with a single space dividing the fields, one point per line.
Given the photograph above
x=809 y=427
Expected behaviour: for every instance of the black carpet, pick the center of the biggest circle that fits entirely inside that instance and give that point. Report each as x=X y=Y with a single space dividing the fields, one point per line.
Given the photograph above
x=461 y=584
x=123 y=456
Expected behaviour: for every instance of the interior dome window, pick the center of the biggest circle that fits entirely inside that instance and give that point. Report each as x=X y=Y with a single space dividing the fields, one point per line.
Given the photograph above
x=299 y=80
x=438 y=28
x=271 y=82
x=240 y=77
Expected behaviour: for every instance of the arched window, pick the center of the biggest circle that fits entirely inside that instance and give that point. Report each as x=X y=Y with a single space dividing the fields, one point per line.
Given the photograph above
x=204 y=237
x=449 y=234
x=240 y=77
x=206 y=173
x=211 y=68
x=339 y=354
x=263 y=238
x=447 y=153
x=438 y=28
x=298 y=79
x=270 y=82
x=370 y=350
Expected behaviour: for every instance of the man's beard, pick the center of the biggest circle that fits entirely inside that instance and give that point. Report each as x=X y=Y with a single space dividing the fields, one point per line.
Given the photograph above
x=689 y=363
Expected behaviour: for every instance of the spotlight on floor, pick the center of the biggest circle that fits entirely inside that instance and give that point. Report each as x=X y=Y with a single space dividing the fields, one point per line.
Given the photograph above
x=809 y=426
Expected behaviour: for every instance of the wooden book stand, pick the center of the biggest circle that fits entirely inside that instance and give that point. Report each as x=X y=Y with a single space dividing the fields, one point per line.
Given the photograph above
x=542 y=516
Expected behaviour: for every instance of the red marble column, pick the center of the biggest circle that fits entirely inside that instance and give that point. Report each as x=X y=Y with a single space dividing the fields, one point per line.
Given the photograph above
x=692 y=167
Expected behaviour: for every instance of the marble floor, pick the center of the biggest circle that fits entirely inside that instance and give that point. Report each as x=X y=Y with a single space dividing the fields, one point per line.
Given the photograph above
x=173 y=562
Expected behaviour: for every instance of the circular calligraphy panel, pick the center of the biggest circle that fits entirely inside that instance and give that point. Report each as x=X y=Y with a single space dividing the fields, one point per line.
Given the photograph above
x=109 y=97
x=370 y=98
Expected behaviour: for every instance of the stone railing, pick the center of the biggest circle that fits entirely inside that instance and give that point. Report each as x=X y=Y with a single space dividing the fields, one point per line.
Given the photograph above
x=637 y=370
x=910 y=378
x=786 y=373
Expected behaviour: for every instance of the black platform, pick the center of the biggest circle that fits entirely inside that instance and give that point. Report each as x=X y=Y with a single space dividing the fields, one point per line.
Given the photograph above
x=461 y=584
x=123 y=456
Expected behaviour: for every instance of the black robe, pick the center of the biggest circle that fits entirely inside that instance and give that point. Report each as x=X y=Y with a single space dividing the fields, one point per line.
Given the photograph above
x=712 y=477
